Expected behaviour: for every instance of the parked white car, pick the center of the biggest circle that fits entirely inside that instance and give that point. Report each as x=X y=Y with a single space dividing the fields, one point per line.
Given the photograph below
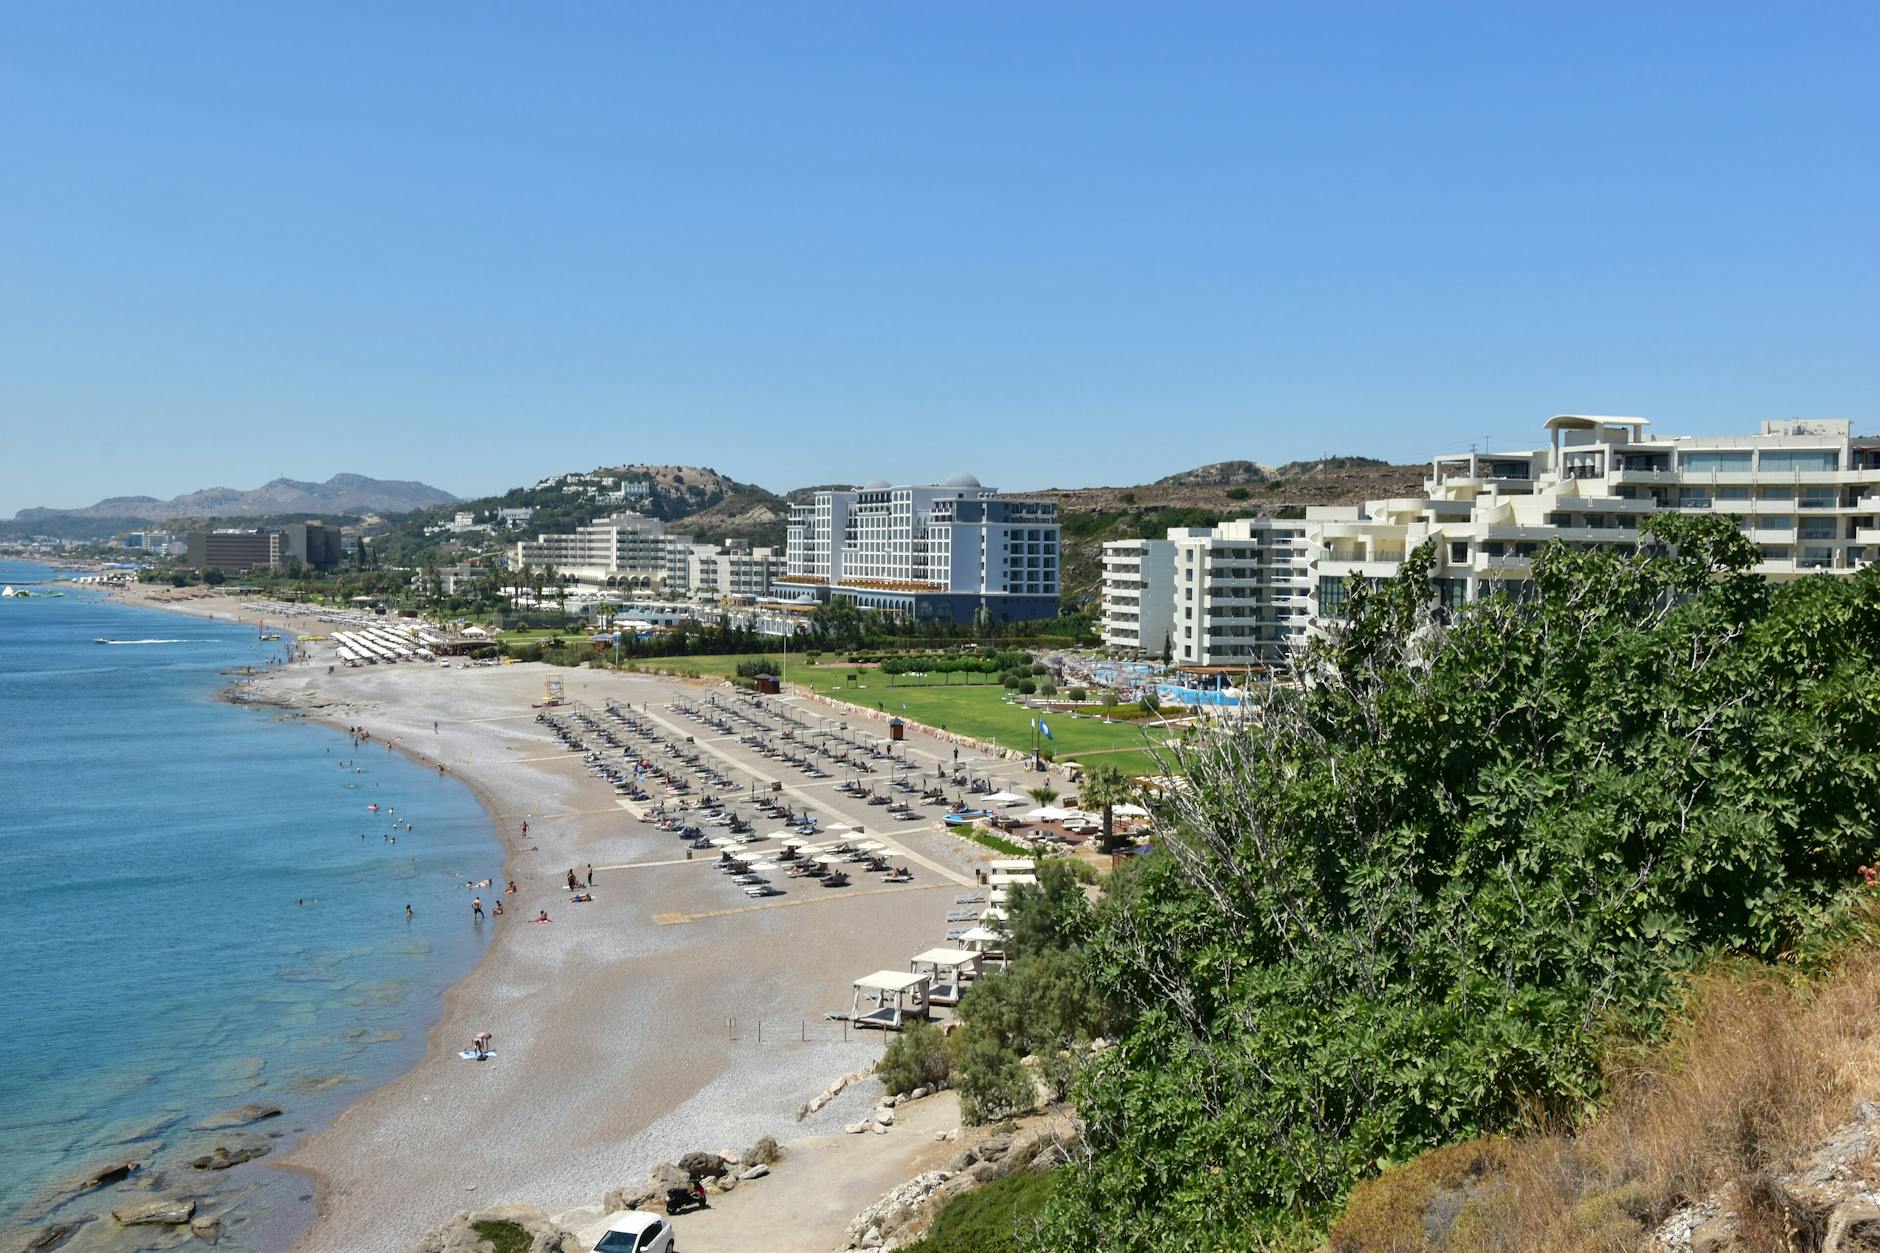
x=637 y=1231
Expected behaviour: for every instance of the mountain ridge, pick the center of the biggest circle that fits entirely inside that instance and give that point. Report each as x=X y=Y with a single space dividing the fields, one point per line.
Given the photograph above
x=343 y=493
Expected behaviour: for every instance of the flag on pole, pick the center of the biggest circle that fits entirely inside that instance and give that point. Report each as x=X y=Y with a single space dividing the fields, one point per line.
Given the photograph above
x=1034 y=724
x=1044 y=727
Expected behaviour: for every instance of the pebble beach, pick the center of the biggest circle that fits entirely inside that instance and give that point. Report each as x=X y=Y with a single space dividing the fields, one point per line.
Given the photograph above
x=626 y=1030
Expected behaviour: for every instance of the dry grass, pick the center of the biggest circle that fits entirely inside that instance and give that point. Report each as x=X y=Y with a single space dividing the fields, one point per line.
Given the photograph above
x=1762 y=1065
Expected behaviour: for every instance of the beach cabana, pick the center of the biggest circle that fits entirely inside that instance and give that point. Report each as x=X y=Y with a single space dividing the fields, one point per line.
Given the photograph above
x=1047 y=813
x=894 y=996
x=1012 y=865
x=1003 y=798
x=1010 y=880
x=986 y=942
x=949 y=967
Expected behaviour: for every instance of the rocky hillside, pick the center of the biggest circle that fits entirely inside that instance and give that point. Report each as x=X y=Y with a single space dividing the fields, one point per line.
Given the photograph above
x=343 y=493
x=1092 y=516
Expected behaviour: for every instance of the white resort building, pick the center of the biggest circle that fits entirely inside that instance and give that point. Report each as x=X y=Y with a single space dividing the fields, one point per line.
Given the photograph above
x=625 y=550
x=954 y=551
x=1248 y=592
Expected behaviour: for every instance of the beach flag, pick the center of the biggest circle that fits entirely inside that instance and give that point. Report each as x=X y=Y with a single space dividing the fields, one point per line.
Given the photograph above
x=1034 y=724
x=1045 y=727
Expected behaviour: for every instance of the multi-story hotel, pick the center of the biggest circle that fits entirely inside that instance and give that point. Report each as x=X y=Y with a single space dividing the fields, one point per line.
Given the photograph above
x=625 y=550
x=729 y=571
x=954 y=551
x=1807 y=493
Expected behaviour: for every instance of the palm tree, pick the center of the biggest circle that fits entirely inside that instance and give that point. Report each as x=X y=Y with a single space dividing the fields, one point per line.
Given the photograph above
x=1044 y=793
x=1105 y=787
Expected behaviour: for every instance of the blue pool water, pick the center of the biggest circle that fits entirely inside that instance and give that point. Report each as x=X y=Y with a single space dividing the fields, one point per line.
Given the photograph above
x=1172 y=694
x=194 y=921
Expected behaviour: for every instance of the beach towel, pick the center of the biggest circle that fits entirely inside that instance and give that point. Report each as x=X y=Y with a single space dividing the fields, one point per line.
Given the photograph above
x=469 y=1055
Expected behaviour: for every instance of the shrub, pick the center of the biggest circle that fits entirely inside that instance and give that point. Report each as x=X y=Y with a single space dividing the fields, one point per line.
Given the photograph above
x=1047 y=688
x=504 y=1236
x=1238 y=493
x=917 y=1058
x=993 y=1082
x=1011 y=680
x=1026 y=687
x=992 y=1219
x=1039 y=669
x=762 y=665
x=1078 y=694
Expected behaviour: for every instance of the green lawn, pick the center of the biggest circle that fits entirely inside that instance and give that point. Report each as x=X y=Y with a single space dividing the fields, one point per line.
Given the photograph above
x=981 y=711
x=978 y=708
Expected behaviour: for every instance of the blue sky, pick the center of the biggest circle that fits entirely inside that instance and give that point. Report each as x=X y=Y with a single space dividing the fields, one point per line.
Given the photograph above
x=1065 y=245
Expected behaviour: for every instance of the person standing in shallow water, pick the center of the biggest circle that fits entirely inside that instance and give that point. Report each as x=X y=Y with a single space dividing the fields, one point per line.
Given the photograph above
x=476 y=909
x=407 y=913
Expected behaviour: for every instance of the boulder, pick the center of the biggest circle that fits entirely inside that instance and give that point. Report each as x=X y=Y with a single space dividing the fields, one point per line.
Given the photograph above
x=240 y=1116
x=206 y=1227
x=764 y=1153
x=721 y=1183
x=631 y=1197
x=856 y=1128
x=666 y=1175
x=992 y=1148
x=884 y=1117
x=917 y=1094
x=49 y=1238
x=458 y=1234
x=702 y=1165
x=114 y=1173
x=756 y=1172
x=1854 y=1228
x=224 y=1157
x=168 y=1213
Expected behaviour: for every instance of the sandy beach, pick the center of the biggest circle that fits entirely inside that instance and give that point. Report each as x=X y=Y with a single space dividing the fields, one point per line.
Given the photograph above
x=669 y=1014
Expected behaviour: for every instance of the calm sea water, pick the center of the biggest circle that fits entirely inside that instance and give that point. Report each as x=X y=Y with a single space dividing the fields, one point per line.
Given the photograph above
x=193 y=919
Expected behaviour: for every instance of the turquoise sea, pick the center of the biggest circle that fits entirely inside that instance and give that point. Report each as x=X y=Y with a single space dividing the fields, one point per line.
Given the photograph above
x=193 y=919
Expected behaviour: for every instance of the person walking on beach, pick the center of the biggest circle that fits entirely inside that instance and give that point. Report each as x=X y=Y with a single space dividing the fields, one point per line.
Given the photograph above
x=525 y=826
x=590 y=874
x=476 y=909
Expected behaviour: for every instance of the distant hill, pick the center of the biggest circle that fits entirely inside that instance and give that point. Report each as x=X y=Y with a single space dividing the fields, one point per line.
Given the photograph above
x=691 y=500
x=343 y=493
x=1206 y=495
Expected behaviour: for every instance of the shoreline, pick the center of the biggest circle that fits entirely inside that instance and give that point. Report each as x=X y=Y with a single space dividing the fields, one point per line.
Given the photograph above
x=624 y=1039
x=628 y=1032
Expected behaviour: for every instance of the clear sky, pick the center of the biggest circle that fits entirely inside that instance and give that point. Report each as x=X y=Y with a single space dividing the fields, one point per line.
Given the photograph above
x=800 y=243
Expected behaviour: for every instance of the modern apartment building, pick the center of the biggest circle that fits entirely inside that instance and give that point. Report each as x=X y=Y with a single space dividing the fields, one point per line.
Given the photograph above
x=732 y=570
x=1807 y=493
x=233 y=551
x=311 y=544
x=955 y=551
x=1231 y=595
x=308 y=543
x=625 y=550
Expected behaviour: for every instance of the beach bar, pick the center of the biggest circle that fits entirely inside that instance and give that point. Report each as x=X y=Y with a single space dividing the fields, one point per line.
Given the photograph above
x=949 y=968
x=882 y=985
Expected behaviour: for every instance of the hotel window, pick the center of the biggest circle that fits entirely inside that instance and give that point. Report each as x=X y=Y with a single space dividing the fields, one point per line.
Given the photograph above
x=1714 y=462
x=1790 y=461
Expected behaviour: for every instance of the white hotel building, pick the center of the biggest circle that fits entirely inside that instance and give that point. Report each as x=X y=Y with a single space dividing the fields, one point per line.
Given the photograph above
x=954 y=551
x=1248 y=592
x=625 y=550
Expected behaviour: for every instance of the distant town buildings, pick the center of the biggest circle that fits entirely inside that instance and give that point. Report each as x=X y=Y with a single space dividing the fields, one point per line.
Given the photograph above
x=1249 y=592
x=953 y=552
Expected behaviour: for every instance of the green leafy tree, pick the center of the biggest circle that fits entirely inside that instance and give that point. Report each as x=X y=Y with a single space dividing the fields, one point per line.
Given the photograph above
x=1411 y=899
x=1044 y=793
